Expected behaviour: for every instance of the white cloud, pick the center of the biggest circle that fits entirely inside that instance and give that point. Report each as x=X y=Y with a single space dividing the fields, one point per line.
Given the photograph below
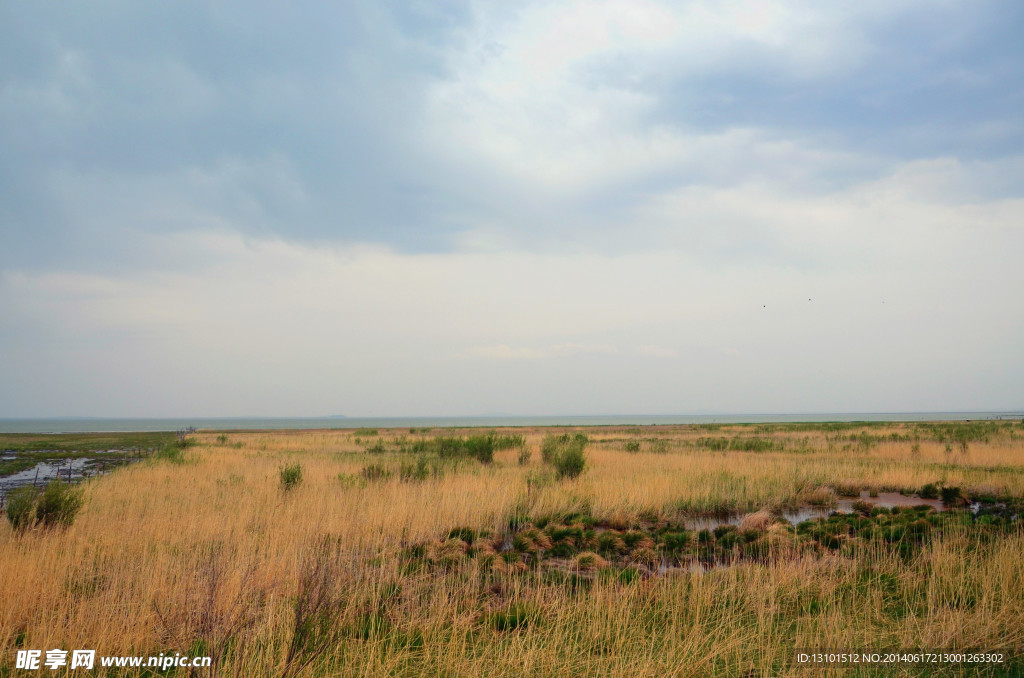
x=559 y=95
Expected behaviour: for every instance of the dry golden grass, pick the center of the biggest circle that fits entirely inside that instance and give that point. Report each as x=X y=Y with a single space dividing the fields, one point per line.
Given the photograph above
x=164 y=556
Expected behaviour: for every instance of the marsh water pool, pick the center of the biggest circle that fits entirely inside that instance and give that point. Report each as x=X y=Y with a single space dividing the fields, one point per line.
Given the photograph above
x=68 y=469
x=808 y=512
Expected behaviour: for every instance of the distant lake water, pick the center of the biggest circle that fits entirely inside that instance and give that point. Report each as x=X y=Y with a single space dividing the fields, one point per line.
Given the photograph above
x=90 y=425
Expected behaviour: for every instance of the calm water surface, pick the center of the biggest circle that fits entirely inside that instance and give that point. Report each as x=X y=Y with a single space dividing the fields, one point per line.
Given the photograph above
x=82 y=425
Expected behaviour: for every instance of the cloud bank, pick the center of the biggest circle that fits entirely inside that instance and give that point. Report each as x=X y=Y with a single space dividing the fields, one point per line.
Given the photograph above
x=559 y=207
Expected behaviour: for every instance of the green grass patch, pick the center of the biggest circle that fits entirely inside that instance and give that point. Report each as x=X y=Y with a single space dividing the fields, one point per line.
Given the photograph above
x=83 y=442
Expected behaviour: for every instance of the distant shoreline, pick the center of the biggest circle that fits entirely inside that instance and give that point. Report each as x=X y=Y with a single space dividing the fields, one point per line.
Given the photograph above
x=111 y=425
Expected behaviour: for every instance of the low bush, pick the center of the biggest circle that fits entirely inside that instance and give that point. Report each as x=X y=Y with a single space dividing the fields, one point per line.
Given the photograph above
x=755 y=444
x=173 y=453
x=715 y=444
x=565 y=453
x=55 y=506
x=418 y=471
x=376 y=448
x=571 y=462
x=481 y=447
x=375 y=472
x=58 y=504
x=21 y=507
x=291 y=476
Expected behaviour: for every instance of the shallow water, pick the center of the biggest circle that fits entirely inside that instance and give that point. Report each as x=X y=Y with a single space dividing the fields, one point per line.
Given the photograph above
x=45 y=471
x=845 y=505
x=807 y=512
x=73 y=425
x=68 y=470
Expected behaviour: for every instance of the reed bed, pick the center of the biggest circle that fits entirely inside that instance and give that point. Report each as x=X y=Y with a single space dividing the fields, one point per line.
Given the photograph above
x=214 y=556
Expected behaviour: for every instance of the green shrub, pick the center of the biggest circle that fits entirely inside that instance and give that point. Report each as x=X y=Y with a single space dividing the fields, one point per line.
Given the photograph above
x=417 y=472
x=173 y=453
x=21 y=505
x=525 y=453
x=553 y=445
x=222 y=438
x=291 y=476
x=571 y=462
x=448 y=446
x=754 y=444
x=375 y=472
x=930 y=491
x=58 y=504
x=366 y=432
x=565 y=453
x=632 y=446
x=481 y=447
x=549 y=448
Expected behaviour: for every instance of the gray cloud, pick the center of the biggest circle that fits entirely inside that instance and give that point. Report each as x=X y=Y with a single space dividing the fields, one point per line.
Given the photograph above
x=413 y=125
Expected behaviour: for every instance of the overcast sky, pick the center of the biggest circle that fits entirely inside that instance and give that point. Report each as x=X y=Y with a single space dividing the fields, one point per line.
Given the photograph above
x=458 y=208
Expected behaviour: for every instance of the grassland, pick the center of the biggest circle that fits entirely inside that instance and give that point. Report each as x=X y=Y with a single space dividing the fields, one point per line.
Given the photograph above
x=435 y=552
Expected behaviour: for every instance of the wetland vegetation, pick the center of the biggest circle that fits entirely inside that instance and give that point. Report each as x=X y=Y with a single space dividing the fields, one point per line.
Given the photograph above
x=616 y=551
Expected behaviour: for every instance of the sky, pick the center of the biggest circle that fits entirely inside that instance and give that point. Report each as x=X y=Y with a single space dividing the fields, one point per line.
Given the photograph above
x=532 y=208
